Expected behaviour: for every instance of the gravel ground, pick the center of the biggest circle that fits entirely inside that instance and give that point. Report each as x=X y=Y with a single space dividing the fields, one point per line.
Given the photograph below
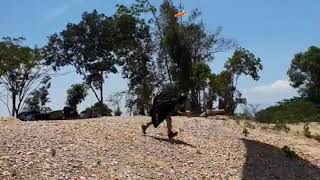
x=114 y=148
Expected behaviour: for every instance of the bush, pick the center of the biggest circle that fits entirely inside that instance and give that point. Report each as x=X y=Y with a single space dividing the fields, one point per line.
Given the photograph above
x=289 y=153
x=290 y=111
x=281 y=127
x=245 y=131
x=117 y=112
x=97 y=110
x=306 y=131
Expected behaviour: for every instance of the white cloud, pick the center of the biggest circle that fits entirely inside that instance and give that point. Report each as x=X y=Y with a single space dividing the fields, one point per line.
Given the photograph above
x=268 y=94
x=57 y=12
x=62 y=9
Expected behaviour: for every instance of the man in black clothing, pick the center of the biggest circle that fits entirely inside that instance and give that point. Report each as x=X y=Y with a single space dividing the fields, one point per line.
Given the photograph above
x=163 y=106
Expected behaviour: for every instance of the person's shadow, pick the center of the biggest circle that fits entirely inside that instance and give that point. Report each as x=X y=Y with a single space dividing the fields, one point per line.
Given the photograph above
x=264 y=161
x=172 y=141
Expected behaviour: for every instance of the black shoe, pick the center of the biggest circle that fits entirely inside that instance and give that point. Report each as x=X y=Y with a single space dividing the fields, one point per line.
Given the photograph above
x=144 y=128
x=171 y=135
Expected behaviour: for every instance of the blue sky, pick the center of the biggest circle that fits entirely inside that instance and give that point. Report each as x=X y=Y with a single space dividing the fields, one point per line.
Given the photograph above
x=273 y=30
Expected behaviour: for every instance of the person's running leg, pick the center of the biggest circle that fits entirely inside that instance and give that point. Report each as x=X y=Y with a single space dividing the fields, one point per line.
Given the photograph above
x=145 y=127
x=169 y=127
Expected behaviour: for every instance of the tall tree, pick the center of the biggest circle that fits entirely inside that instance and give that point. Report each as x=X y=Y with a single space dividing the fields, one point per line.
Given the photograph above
x=138 y=66
x=89 y=46
x=180 y=45
x=201 y=73
x=304 y=73
x=189 y=43
x=21 y=71
x=115 y=100
x=243 y=62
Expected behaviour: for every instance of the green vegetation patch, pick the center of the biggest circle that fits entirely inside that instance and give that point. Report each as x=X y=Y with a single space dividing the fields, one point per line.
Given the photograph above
x=291 y=111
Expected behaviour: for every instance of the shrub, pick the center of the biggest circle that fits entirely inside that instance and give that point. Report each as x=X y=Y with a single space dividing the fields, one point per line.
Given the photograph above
x=289 y=153
x=281 y=127
x=306 y=131
x=98 y=109
x=117 y=112
x=245 y=131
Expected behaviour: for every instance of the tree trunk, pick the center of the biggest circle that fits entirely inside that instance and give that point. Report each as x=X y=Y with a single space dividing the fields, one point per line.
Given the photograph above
x=101 y=94
x=101 y=88
x=195 y=107
x=14 y=109
x=141 y=110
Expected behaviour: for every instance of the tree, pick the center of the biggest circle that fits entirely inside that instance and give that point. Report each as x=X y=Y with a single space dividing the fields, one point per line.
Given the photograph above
x=115 y=101
x=76 y=94
x=304 y=73
x=139 y=100
x=254 y=109
x=89 y=47
x=138 y=66
x=243 y=62
x=187 y=44
x=21 y=71
x=177 y=48
x=38 y=99
x=201 y=73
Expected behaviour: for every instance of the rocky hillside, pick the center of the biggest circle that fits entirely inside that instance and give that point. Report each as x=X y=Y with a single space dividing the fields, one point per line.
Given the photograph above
x=114 y=148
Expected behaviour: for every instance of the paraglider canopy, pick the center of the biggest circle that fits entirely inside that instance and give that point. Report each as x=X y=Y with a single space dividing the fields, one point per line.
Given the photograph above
x=180 y=14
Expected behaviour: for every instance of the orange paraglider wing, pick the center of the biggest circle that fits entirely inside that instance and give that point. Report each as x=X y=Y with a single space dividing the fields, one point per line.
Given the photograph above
x=180 y=14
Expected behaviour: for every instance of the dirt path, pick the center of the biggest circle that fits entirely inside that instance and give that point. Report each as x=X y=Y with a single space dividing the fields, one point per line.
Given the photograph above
x=114 y=148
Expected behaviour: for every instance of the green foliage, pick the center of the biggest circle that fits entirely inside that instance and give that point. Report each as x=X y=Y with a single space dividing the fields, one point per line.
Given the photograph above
x=139 y=100
x=304 y=73
x=289 y=153
x=200 y=73
x=38 y=99
x=290 y=111
x=281 y=127
x=139 y=68
x=243 y=62
x=76 y=94
x=97 y=110
x=185 y=49
x=94 y=47
x=21 y=70
x=221 y=83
